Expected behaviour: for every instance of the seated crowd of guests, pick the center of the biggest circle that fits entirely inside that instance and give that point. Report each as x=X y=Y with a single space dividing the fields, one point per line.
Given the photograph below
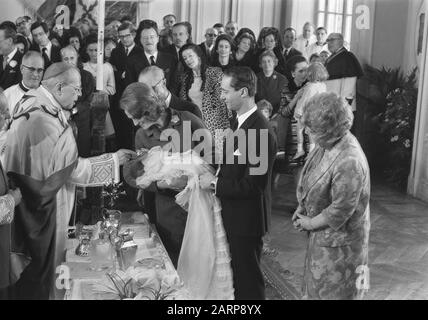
x=186 y=76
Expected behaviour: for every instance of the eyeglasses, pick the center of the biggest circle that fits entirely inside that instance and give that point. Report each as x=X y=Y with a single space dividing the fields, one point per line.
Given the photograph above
x=332 y=39
x=157 y=83
x=149 y=38
x=211 y=35
x=77 y=89
x=34 y=70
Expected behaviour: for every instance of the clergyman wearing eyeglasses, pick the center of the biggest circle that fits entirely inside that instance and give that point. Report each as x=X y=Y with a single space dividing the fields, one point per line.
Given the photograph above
x=32 y=68
x=41 y=158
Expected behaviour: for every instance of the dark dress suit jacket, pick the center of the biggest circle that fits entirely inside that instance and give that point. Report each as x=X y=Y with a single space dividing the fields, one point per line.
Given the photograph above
x=271 y=89
x=280 y=67
x=171 y=51
x=205 y=52
x=138 y=62
x=182 y=105
x=178 y=71
x=10 y=76
x=118 y=60
x=246 y=205
x=343 y=64
x=55 y=54
x=293 y=52
x=245 y=197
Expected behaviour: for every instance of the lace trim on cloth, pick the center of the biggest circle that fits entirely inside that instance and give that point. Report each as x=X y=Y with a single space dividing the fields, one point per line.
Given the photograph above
x=103 y=169
x=7 y=209
x=204 y=262
x=223 y=277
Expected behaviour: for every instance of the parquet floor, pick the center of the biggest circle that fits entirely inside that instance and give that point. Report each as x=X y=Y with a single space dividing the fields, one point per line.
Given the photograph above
x=398 y=256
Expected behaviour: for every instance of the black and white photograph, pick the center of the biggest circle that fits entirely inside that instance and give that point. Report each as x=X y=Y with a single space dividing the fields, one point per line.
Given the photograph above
x=214 y=150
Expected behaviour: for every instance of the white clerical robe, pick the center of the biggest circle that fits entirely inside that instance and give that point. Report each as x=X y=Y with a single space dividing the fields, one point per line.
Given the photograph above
x=41 y=143
x=13 y=95
x=303 y=44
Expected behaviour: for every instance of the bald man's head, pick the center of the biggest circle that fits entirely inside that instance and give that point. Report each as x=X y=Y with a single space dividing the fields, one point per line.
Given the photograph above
x=69 y=55
x=335 y=42
x=210 y=36
x=63 y=81
x=154 y=77
x=32 y=68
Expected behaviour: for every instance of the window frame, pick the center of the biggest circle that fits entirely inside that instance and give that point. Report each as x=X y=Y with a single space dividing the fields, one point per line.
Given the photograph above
x=347 y=6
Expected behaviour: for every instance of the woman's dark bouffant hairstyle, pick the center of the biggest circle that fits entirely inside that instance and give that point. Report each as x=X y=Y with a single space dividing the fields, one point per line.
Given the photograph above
x=221 y=37
x=246 y=35
x=189 y=79
x=242 y=31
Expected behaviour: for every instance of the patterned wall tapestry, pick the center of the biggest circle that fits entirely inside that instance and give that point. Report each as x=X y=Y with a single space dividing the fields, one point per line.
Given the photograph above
x=80 y=9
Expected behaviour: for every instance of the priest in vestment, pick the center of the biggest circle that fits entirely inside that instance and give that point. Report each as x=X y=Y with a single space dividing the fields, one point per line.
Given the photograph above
x=343 y=68
x=41 y=158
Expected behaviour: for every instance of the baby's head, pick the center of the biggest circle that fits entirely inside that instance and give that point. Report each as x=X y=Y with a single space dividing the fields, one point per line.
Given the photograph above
x=265 y=108
x=315 y=58
x=324 y=56
x=316 y=72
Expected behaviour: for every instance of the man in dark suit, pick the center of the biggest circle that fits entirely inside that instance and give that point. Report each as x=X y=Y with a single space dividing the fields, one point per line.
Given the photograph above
x=243 y=182
x=289 y=37
x=181 y=35
x=207 y=46
x=10 y=59
x=42 y=44
x=149 y=38
x=120 y=56
x=23 y=25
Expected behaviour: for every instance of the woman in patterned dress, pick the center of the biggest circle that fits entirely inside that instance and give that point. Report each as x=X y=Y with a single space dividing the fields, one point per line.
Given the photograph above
x=200 y=84
x=8 y=200
x=333 y=195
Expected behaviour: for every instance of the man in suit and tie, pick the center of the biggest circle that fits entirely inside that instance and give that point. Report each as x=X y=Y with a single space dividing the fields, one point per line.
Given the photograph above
x=232 y=28
x=23 y=25
x=50 y=52
x=10 y=59
x=32 y=68
x=306 y=38
x=181 y=35
x=149 y=38
x=207 y=46
x=244 y=184
x=119 y=59
x=289 y=37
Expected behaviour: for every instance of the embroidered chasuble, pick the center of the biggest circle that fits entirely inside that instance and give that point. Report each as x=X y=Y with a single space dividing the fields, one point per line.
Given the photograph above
x=41 y=158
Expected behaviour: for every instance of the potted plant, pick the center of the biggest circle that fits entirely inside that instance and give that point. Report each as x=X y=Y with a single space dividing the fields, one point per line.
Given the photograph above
x=389 y=100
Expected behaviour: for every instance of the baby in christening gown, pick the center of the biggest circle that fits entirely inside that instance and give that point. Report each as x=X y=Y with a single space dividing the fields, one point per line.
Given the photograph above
x=204 y=261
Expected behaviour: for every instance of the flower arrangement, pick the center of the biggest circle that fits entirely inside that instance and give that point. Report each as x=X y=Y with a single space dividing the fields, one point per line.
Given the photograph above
x=111 y=192
x=393 y=108
x=140 y=284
